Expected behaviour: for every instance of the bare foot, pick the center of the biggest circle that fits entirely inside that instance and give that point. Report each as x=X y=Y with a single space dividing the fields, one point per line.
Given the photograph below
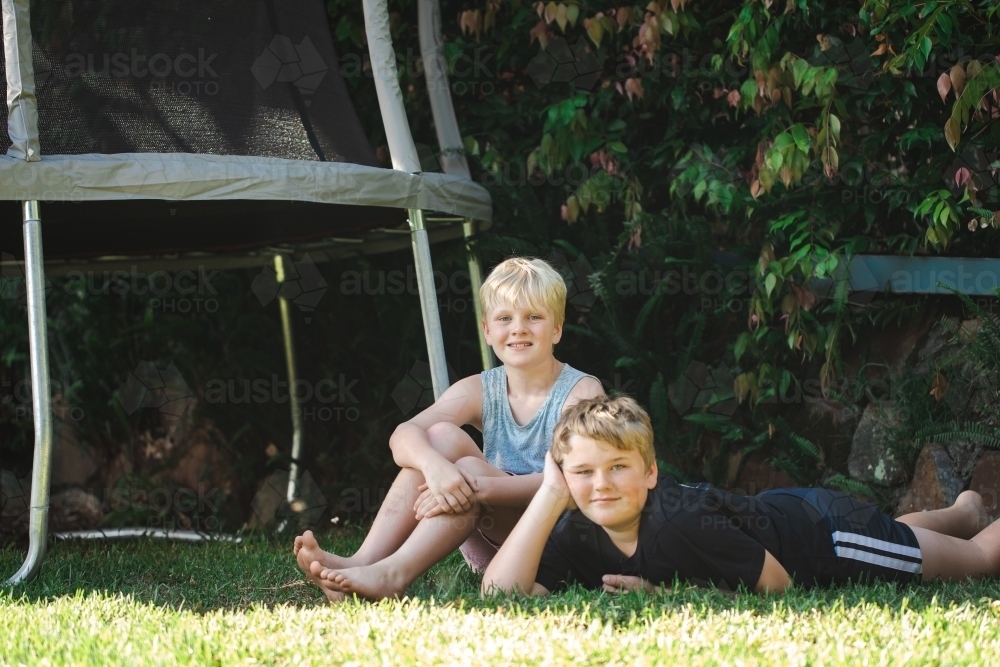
x=307 y=552
x=972 y=502
x=332 y=594
x=372 y=582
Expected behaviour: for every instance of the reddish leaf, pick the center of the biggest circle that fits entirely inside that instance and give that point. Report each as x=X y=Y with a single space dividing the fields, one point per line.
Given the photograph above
x=944 y=86
x=541 y=33
x=633 y=86
x=962 y=176
x=939 y=386
x=957 y=77
x=733 y=98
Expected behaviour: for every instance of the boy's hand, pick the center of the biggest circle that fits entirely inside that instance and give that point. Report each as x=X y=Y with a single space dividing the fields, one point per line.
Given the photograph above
x=554 y=480
x=620 y=583
x=446 y=490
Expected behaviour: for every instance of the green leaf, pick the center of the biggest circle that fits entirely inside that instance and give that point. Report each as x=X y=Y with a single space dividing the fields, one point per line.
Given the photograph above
x=801 y=137
x=618 y=147
x=835 y=127
x=770 y=282
x=925 y=47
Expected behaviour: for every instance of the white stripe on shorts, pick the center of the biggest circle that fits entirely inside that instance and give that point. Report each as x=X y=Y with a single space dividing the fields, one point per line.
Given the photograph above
x=878 y=559
x=881 y=545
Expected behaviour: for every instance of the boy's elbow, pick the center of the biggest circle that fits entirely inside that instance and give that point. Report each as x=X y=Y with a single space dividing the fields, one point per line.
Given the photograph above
x=397 y=439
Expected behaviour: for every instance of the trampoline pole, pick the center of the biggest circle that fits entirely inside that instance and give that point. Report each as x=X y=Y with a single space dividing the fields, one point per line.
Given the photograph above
x=293 y=376
x=428 y=302
x=34 y=272
x=475 y=282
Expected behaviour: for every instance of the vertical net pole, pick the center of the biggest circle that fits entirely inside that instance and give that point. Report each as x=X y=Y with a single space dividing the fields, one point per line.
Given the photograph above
x=293 y=375
x=475 y=282
x=428 y=302
x=34 y=272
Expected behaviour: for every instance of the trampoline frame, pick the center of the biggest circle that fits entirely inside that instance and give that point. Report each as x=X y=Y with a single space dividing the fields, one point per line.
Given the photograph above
x=23 y=131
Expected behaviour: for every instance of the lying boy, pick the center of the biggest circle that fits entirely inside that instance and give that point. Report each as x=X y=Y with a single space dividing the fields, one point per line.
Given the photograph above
x=449 y=493
x=628 y=528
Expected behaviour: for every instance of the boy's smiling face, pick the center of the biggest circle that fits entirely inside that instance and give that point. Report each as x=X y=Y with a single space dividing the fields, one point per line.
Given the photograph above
x=521 y=335
x=608 y=485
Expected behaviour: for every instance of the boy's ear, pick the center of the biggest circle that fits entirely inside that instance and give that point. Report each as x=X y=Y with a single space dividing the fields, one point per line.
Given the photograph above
x=651 y=475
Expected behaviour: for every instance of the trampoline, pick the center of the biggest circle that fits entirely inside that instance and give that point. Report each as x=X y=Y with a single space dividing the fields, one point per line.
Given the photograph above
x=175 y=134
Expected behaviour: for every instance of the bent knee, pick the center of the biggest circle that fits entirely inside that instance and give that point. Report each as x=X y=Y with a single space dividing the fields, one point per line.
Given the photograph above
x=473 y=464
x=451 y=441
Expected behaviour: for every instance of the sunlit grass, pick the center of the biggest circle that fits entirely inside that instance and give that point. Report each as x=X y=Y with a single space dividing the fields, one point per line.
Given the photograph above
x=157 y=603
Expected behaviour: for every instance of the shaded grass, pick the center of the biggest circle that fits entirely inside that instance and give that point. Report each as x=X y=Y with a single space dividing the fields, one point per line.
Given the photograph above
x=152 y=602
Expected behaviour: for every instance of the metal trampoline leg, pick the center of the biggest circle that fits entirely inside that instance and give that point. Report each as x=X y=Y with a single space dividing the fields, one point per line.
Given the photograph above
x=476 y=281
x=428 y=302
x=34 y=271
x=293 y=376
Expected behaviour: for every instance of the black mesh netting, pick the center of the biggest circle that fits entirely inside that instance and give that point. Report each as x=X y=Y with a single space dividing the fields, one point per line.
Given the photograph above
x=229 y=77
x=226 y=77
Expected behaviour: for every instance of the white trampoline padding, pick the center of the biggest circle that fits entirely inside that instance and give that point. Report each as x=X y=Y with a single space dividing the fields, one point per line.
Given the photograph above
x=183 y=176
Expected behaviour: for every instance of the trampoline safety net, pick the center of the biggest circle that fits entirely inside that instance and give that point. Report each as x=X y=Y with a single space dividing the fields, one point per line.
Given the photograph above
x=229 y=77
x=255 y=78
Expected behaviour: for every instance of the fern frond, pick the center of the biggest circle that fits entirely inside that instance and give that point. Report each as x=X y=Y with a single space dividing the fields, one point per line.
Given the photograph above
x=987 y=436
x=807 y=446
x=849 y=485
x=710 y=421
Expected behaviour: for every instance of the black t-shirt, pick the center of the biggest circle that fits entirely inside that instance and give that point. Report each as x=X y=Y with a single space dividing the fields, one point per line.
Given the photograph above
x=696 y=532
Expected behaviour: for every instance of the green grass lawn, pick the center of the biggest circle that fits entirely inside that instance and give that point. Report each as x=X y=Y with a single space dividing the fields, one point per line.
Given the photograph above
x=151 y=602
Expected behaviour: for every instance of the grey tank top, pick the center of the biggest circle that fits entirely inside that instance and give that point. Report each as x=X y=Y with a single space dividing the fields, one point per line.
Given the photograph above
x=521 y=449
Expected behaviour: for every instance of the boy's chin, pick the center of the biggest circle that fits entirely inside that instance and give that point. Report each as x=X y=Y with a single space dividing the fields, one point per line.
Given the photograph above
x=608 y=518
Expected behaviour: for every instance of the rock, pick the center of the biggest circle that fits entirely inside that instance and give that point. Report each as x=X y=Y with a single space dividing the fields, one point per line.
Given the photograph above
x=935 y=349
x=935 y=485
x=830 y=425
x=965 y=455
x=201 y=465
x=759 y=475
x=890 y=350
x=74 y=509
x=871 y=460
x=73 y=463
x=986 y=482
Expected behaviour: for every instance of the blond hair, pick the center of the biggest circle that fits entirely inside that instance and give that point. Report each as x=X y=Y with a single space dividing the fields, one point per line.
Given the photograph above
x=619 y=422
x=528 y=281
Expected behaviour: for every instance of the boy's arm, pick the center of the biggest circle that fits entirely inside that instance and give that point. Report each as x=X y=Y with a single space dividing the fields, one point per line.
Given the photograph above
x=774 y=577
x=460 y=404
x=509 y=491
x=515 y=566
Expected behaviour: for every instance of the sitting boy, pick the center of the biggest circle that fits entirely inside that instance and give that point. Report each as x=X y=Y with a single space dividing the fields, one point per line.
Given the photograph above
x=633 y=529
x=449 y=493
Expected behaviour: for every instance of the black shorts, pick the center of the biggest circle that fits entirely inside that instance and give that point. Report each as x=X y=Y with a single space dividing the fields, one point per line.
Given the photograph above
x=844 y=539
